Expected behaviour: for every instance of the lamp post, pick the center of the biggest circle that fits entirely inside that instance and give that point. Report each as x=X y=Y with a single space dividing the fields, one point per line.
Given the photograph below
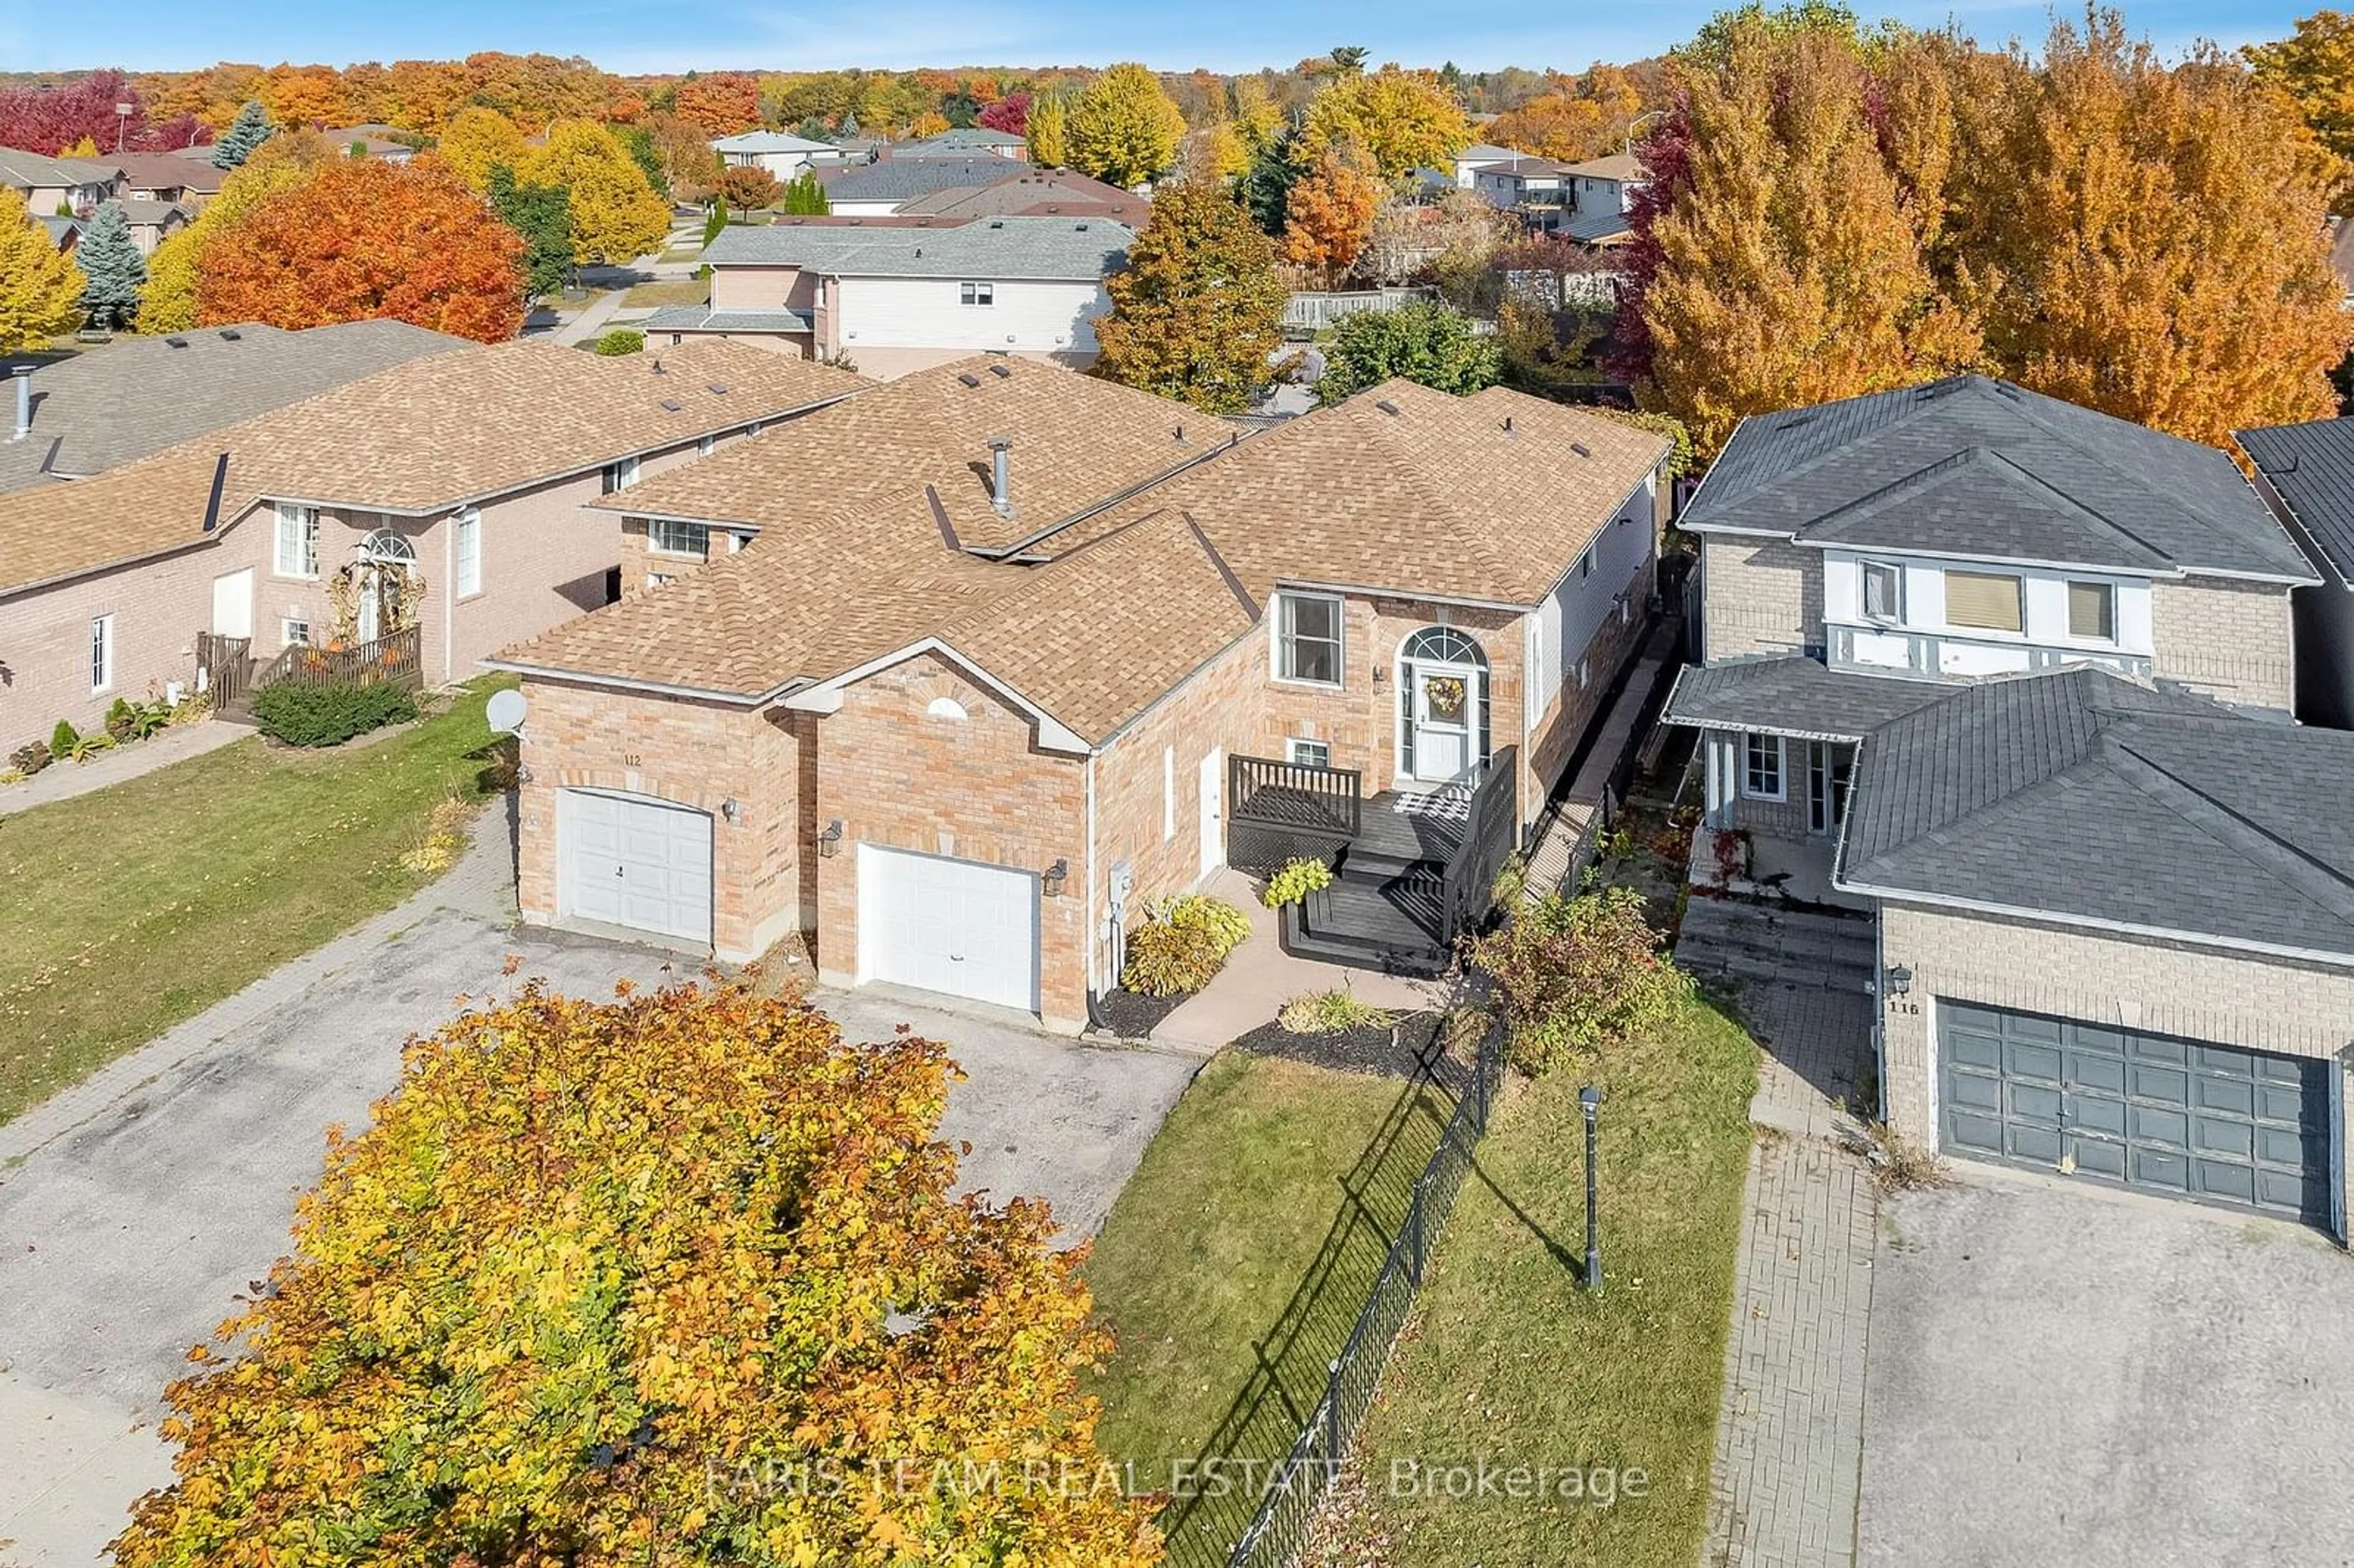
x=1589 y=1100
x=121 y=124
x=1635 y=124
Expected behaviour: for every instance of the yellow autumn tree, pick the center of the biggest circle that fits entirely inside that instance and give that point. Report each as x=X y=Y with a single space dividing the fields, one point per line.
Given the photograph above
x=1785 y=269
x=1048 y=132
x=1328 y=215
x=2155 y=245
x=1123 y=128
x=168 y=303
x=1403 y=119
x=478 y=140
x=616 y=216
x=672 y=1280
x=40 y=287
x=2315 y=66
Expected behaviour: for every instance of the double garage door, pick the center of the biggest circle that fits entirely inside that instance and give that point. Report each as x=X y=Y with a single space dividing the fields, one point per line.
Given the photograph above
x=2215 y=1123
x=633 y=861
x=959 y=926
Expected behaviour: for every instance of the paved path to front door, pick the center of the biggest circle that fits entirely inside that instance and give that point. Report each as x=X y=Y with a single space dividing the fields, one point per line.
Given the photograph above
x=1789 y=1449
x=62 y=781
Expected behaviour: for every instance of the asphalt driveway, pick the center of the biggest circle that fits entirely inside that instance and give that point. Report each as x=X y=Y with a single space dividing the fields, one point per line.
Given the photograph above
x=134 y=1207
x=2060 y=1376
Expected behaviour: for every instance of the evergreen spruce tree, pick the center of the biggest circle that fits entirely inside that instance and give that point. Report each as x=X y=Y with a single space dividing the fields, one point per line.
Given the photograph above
x=248 y=130
x=542 y=214
x=804 y=197
x=110 y=258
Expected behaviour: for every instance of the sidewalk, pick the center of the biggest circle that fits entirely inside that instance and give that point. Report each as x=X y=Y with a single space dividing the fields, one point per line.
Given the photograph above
x=591 y=321
x=64 y=780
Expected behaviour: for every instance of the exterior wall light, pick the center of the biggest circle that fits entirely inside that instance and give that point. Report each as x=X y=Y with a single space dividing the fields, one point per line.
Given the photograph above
x=1057 y=875
x=733 y=810
x=828 y=842
x=1899 y=980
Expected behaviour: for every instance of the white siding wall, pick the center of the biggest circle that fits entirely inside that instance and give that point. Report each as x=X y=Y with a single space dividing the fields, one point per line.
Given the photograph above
x=925 y=312
x=2046 y=600
x=1579 y=604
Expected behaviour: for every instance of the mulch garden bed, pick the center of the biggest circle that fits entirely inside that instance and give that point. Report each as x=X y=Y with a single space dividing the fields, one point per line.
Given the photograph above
x=1132 y=1017
x=1411 y=1048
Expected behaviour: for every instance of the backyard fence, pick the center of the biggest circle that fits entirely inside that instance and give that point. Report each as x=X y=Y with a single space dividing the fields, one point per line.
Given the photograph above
x=1280 y=1530
x=1311 y=311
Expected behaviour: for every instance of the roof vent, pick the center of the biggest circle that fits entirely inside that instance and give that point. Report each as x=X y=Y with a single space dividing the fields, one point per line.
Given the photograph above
x=673 y=405
x=230 y=335
x=968 y=377
x=1508 y=423
x=919 y=251
x=1581 y=449
x=1002 y=372
x=1386 y=407
x=1000 y=474
x=1083 y=228
x=717 y=388
x=658 y=368
x=177 y=341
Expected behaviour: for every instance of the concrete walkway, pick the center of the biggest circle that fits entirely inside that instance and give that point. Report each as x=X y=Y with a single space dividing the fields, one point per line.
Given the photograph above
x=1789 y=1443
x=64 y=780
x=591 y=321
x=1260 y=977
x=1565 y=845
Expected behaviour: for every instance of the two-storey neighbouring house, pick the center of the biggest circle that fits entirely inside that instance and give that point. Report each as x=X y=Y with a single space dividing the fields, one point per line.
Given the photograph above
x=899 y=295
x=956 y=678
x=2020 y=674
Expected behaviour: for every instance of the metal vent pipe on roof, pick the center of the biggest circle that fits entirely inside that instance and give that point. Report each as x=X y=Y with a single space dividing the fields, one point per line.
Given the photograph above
x=24 y=403
x=1000 y=471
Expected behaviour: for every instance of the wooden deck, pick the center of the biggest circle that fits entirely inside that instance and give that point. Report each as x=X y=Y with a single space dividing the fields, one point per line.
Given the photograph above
x=1411 y=826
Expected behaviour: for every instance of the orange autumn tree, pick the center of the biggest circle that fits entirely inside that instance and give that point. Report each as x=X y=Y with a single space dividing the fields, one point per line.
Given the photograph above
x=674 y=1279
x=1330 y=215
x=722 y=103
x=362 y=237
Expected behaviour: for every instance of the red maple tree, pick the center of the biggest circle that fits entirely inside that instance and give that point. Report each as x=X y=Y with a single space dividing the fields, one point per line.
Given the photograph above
x=362 y=237
x=1010 y=114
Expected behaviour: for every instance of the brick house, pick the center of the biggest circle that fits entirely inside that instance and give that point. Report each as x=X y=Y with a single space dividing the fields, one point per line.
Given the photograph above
x=1000 y=638
x=2016 y=678
x=451 y=483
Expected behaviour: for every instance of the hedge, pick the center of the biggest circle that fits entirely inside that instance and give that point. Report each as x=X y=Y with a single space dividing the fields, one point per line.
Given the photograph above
x=329 y=714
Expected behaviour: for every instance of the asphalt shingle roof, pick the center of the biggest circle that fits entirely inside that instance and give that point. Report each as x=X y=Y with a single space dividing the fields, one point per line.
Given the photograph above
x=2311 y=467
x=901 y=179
x=1978 y=467
x=24 y=170
x=1796 y=696
x=2079 y=794
x=997 y=248
x=137 y=396
x=702 y=318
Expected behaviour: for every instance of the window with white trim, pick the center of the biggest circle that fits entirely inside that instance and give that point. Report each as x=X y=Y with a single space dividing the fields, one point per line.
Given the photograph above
x=2093 y=611
x=620 y=476
x=1761 y=773
x=297 y=541
x=666 y=536
x=1985 y=601
x=706 y=446
x=976 y=293
x=1883 y=592
x=1301 y=752
x=469 y=552
x=294 y=632
x=1308 y=639
x=1585 y=563
x=102 y=653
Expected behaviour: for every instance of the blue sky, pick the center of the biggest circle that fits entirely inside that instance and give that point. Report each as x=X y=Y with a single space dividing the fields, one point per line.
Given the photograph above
x=1222 y=35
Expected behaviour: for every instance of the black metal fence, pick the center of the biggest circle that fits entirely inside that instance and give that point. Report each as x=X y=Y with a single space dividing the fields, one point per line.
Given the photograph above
x=1280 y=1530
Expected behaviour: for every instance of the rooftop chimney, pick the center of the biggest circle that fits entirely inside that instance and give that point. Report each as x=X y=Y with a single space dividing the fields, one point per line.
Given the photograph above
x=1000 y=468
x=24 y=403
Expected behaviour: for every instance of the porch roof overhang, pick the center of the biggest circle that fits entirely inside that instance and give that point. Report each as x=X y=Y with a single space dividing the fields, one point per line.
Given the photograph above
x=1795 y=696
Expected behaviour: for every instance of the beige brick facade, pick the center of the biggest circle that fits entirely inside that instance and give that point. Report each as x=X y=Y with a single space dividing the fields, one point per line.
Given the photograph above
x=2225 y=639
x=1758 y=596
x=2162 y=988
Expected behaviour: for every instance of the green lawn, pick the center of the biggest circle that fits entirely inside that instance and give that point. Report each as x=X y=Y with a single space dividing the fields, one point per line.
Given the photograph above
x=667 y=292
x=1235 y=1263
x=138 y=906
x=1511 y=1361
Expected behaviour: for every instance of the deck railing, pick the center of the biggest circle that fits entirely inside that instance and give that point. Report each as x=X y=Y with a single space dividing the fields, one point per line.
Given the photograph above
x=1488 y=830
x=397 y=658
x=1275 y=810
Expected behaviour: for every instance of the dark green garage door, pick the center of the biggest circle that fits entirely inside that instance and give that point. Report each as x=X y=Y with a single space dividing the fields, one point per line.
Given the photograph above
x=2213 y=1123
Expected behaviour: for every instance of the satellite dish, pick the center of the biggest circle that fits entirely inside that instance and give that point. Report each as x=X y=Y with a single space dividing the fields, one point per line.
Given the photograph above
x=505 y=712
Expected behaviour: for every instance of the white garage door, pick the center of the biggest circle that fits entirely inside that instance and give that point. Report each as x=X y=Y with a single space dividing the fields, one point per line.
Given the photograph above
x=950 y=926
x=628 y=859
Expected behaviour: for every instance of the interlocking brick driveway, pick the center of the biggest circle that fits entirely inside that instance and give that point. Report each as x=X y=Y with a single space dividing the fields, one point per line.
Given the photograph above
x=133 y=1206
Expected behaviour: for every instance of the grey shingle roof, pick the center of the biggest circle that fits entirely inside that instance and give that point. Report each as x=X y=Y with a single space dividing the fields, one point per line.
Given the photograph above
x=903 y=179
x=136 y=396
x=2311 y=468
x=1796 y=696
x=702 y=318
x=956 y=144
x=1978 y=467
x=26 y=170
x=1058 y=248
x=771 y=142
x=2080 y=795
x=1591 y=227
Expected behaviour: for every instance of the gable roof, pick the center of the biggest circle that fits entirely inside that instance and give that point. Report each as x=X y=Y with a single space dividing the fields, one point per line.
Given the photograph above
x=1617 y=166
x=1795 y=695
x=434 y=433
x=154 y=171
x=770 y=141
x=24 y=170
x=900 y=179
x=1400 y=488
x=1078 y=441
x=2311 y=468
x=1000 y=248
x=2080 y=796
x=137 y=396
x=1973 y=466
x=1025 y=191
x=957 y=141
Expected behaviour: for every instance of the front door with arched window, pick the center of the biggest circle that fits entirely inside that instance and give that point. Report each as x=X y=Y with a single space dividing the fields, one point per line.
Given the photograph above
x=384 y=567
x=1442 y=690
